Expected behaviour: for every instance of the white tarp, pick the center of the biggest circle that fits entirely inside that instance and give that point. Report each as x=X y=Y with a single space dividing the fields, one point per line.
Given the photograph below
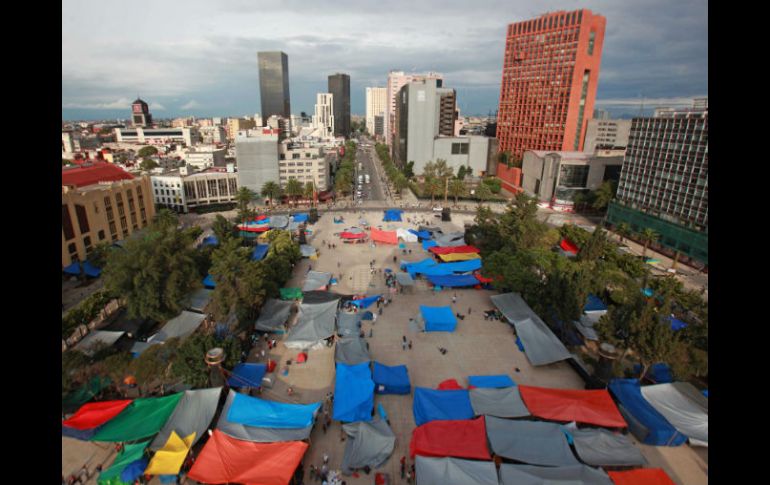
x=503 y=403
x=97 y=338
x=406 y=235
x=316 y=280
x=688 y=416
x=599 y=447
x=315 y=323
x=563 y=475
x=454 y=471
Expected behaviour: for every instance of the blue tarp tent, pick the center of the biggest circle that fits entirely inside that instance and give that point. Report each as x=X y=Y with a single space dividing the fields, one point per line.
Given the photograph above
x=73 y=269
x=91 y=270
x=417 y=267
x=353 y=393
x=210 y=241
x=659 y=373
x=705 y=392
x=434 y=404
x=451 y=268
x=676 y=324
x=421 y=234
x=647 y=424
x=208 y=282
x=648 y=292
x=260 y=250
x=500 y=380
x=301 y=217
x=594 y=304
x=365 y=302
x=391 y=380
x=454 y=280
x=392 y=215
x=252 y=411
x=438 y=318
x=427 y=244
x=247 y=375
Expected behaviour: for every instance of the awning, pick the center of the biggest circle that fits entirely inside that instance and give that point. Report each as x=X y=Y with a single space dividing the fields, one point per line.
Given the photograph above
x=454 y=471
x=353 y=393
x=539 y=475
x=465 y=438
x=193 y=414
x=391 y=380
x=503 y=403
x=273 y=315
x=582 y=406
x=142 y=418
x=532 y=442
x=431 y=405
x=369 y=444
x=257 y=435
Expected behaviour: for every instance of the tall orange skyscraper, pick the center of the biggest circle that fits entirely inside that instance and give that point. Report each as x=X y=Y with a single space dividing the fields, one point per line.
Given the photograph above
x=550 y=76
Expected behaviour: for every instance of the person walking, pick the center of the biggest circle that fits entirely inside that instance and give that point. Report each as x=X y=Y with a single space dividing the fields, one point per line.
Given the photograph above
x=410 y=345
x=326 y=458
x=469 y=310
x=454 y=299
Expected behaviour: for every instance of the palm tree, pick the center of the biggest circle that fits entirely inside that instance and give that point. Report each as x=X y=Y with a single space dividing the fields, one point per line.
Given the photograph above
x=456 y=189
x=309 y=191
x=433 y=186
x=604 y=194
x=648 y=236
x=165 y=219
x=294 y=188
x=623 y=230
x=244 y=198
x=271 y=190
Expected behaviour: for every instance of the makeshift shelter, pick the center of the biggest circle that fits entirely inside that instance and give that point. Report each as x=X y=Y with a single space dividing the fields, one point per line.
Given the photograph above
x=307 y=251
x=532 y=442
x=421 y=234
x=404 y=279
x=561 y=475
x=391 y=380
x=257 y=434
x=301 y=217
x=95 y=414
x=682 y=406
x=594 y=304
x=454 y=471
x=142 y=418
x=386 y=237
x=503 y=403
x=406 y=236
x=641 y=476
x=586 y=328
x=228 y=460
x=453 y=239
x=316 y=280
x=278 y=222
x=431 y=405
x=465 y=438
x=259 y=252
x=582 y=406
x=454 y=280
x=247 y=374
x=449 y=385
x=455 y=250
x=599 y=447
x=494 y=381
x=291 y=293
x=198 y=300
x=542 y=346
x=210 y=241
x=181 y=326
x=209 y=283
x=129 y=454
x=365 y=302
x=351 y=351
x=314 y=324
x=369 y=444
x=349 y=324
x=438 y=319
x=675 y=323
x=451 y=268
x=392 y=215
x=192 y=415
x=86 y=268
x=273 y=315
x=169 y=459
x=568 y=246
x=644 y=421
x=353 y=393
x=458 y=257
x=413 y=268
x=260 y=413
x=97 y=339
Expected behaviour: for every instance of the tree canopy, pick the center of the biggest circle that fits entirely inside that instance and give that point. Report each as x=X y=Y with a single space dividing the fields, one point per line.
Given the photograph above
x=147 y=151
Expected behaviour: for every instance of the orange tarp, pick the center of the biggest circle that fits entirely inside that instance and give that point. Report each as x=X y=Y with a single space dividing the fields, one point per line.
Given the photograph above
x=95 y=414
x=641 y=476
x=463 y=438
x=387 y=237
x=228 y=460
x=589 y=407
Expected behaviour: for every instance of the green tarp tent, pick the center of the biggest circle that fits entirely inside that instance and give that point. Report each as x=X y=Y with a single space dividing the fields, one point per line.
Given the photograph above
x=142 y=418
x=75 y=399
x=291 y=294
x=130 y=454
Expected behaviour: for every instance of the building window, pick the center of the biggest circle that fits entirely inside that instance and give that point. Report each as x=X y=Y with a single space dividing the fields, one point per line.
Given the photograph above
x=294 y=156
x=101 y=235
x=82 y=218
x=573 y=176
x=591 y=38
x=66 y=223
x=87 y=243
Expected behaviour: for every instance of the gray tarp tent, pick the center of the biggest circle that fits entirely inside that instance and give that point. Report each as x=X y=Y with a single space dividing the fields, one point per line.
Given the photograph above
x=316 y=280
x=454 y=471
x=586 y=327
x=307 y=250
x=96 y=339
x=198 y=299
x=533 y=442
x=538 y=475
x=540 y=344
x=180 y=326
x=684 y=407
x=404 y=279
x=192 y=414
x=369 y=443
x=273 y=315
x=314 y=324
x=278 y=222
x=293 y=226
x=599 y=447
x=348 y=324
x=503 y=403
x=351 y=351
x=452 y=239
x=257 y=435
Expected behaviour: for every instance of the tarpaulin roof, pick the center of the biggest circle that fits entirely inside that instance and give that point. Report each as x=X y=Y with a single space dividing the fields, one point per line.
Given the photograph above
x=365 y=302
x=96 y=339
x=659 y=373
x=594 y=304
x=259 y=252
x=533 y=442
x=168 y=460
x=290 y=293
x=129 y=454
x=453 y=239
x=466 y=249
x=369 y=444
x=315 y=322
x=599 y=447
x=353 y=235
x=391 y=379
x=301 y=217
x=387 y=237
x=210 y=241
x=351 y=351
x=569 y=246
x=95 y=414
x=499 y=380
x=543 y=347
x=247 y=374
x=392 y=215
x=561 y=475
x=228 y=460
x=316 y=280
x=503 y=403
x=404 y=279
x=193 y=414
x=432 y=405
x=273 y=315
x=259 y=413
x=438 y=318
x=458 y=257
x=91 y=270
x=353 y=393
x=421 y=234
x=181 y=326
x=586 y=327
x=72 y=269
x=641 y=476
x=198 y=299
x=278 y=222
x=427 y=244
x=682 y=409
x=582 y=406
x=414 y=267
x=348 y=324
x=464 y=438
x=644 y=421
x=142 y=418
x=676 y=324
x=208 y=282
x=448 y=385
x=322 y=296
x=456 y=267
x=406 y=235
x=454 y=471
x=453 y=280
x=258 y=435
x=307 y=250
x=94 y=386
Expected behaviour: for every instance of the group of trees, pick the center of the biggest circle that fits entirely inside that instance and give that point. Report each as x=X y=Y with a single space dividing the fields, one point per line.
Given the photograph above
x=345 y=174
x=399 y=178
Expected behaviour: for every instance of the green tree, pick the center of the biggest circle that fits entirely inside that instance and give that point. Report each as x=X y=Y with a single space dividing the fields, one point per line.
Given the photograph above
x=165 y=220
x=271 y=191
x=483 y=193
x=604 y=194
x=434 y=187
x=243 y=199
x=309 y=191
x=457 y=188
x=623 y=230
x=294 y=189
x=223 y=229
x=400 y=183
x=190 y=363
x=147 y=151
x=595 y=247
x=409 y=170
x=648 y=236
x=228 y=267
x=493 y=183
x=148 y=164
x=98 y=255
x=153 y=366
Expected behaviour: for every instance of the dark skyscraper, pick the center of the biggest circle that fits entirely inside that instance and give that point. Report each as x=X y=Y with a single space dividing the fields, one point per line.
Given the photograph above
x=274 y=84
x=339 y=87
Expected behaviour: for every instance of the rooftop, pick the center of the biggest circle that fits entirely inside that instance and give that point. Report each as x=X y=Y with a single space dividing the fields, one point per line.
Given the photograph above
x=93 y=173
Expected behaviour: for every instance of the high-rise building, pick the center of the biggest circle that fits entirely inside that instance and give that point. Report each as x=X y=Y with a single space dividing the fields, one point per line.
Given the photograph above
x=376 y=105
x=396 y=80
x=550 y=76
x=140 y=114
x=324 y=120
x=256 y=154
x=447 y=112
x=274 y=84
x=664 y=181
x=606 y=134
x=339 y=87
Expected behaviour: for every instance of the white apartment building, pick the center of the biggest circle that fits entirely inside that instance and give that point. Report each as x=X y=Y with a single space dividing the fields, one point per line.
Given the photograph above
x=180 y=190
x=397 y=80
x=205 y=157
x=211 y=135
x=305 y=162
x=256 y=154
x=376 y=105
x=323 y=120
x=157 y=136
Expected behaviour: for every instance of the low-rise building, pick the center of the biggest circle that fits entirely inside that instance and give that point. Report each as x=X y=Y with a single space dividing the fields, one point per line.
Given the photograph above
x=205 y=157
x=305 y=162
x=157 y=136
x=235 y=125
x=211 y=135
x=476 y=152
x=181 y=189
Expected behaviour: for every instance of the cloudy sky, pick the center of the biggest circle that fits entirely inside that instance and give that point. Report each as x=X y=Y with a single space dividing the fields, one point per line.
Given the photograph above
x=199 y=57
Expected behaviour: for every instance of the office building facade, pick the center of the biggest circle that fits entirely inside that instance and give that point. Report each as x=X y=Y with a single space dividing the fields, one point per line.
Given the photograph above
x=323 y=119
x=339 y=87
x=397 y=80
x=256 y=154
x=274 y=84
x=376 y=105
x=604 y=134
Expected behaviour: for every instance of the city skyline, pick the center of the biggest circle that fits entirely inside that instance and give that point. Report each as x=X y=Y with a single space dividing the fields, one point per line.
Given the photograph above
x=206 y=66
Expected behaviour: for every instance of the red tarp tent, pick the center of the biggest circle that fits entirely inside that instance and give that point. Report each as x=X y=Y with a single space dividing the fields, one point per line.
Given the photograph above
x=482 y=279
x=352 y=235
x=641 y=476
x=301 y=357
x=95 y=414
x=589 y=407
x=568 y=246
x=225 y=459
x=387 y=237
x=454 y=250
x=449 y=385
x=465 y=438
x=246 y=228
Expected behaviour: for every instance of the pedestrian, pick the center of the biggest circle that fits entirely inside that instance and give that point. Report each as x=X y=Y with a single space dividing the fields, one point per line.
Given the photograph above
x=262 y=353
x=380 y=311
x=342 y=435
x=454 y=299
x=410 y=345
x=403 y=466
x=326 y=458
x=374 y=317
x=323 y=425
x=403 y=345
x=469 y=310
x=403 y=338
x=409 y=477
x=371 y=333
x=84 y=473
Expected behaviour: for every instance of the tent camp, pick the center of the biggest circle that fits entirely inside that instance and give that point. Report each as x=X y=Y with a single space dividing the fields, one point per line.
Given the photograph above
x=451 y=268
x=260 y=413
x=438 y=318
x=97 y=339
x=247 y=374
x=644 y=421
x=455 y=250
x=539 y=475
x=259 y=252
x=432 y=404
x=369 y=444
x=464 y=438
x=532 y=442
x=682 y=406
x=316 y=280
x=386 y=237
x=307 y=251
x=541 y=346
x=454 y=471
x=257 y=434
x=353 y=393
x=503 y=403
x=142 y=418
x=392 y=215
x=227 y=460
x=198 y=300
x=273 y=315
x=582 y=406
x=458 y=257
x=599 y=447
x=405 y=235
x=646 y=476
x=193 y=414
x=391 y=380
x=351 y=351
x=495 y=381
x=453 y=280
x=348 y=323
x=314 y=324
x=413 y=268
